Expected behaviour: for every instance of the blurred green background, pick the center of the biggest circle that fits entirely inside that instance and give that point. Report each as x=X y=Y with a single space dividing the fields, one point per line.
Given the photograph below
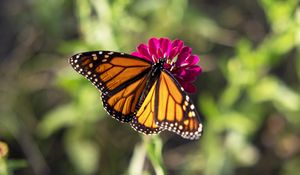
x=52 y=119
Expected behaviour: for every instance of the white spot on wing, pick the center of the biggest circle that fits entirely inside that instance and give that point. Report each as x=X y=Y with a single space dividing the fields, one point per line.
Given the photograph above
x=192 y=107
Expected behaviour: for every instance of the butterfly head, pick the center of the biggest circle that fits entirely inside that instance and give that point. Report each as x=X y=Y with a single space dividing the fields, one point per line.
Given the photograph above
x=160 y=63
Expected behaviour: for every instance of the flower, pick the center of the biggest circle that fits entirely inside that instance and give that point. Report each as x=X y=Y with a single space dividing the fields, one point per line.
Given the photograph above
x=3 y=149
x=179 y=59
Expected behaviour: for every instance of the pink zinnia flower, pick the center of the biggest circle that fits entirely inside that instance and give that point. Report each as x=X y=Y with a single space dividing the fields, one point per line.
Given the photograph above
x=179 y=59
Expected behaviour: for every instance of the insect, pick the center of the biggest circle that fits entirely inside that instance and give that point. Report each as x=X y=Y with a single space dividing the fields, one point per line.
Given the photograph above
x=139 y=92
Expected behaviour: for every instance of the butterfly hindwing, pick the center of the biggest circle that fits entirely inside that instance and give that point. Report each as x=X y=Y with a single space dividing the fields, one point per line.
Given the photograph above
x=167 y=107
x=176 y=112
x=120 y=77
x=144 y=119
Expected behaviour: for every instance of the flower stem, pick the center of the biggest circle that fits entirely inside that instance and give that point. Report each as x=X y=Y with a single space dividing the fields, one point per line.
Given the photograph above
x=137 y=160
x=153 y=146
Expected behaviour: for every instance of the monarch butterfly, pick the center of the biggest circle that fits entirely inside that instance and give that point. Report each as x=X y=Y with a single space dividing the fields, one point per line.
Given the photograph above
x=139 y=92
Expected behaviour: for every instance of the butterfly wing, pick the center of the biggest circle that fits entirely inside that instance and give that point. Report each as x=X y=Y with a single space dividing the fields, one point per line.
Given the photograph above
x=176 y=112
x=120 y=77
x=144 y=119
x=168 y=107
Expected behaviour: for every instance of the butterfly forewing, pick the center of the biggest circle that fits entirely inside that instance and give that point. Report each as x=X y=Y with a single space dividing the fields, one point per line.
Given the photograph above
x=120 y=77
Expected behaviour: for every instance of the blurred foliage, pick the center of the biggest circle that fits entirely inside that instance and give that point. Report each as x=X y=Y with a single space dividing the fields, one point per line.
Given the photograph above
x=7 y=166
x=248 y=94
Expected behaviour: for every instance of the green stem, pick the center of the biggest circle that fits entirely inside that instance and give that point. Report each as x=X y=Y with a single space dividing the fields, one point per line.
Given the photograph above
x=137 y=160
x=3 y=167
x=153 y=146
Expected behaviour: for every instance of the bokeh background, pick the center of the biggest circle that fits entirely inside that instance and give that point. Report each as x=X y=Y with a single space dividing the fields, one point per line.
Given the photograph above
x=52 y=119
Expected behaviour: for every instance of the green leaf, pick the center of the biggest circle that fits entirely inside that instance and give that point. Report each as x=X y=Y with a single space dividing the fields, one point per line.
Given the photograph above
x=272 y=89
x=83 y=153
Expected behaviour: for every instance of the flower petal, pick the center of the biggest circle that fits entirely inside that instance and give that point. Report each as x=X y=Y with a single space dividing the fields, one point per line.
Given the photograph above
x=175 y=48
x=192 y=60
x=153 y=47
x=194 y=69
x=173 y=53
x=191 y=73
x=137 y=54
x=187 y=73
x=177 y=43
x=143 y=49
x=188 y=87
x=183 y=55
x=167 y=66
x=165 y=45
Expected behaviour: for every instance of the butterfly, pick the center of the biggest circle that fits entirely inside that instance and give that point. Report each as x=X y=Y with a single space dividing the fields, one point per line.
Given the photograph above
x=139 y=92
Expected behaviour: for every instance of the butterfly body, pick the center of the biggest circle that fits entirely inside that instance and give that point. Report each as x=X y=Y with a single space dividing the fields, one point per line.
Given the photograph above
x=139 y=92
x=152 y=76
